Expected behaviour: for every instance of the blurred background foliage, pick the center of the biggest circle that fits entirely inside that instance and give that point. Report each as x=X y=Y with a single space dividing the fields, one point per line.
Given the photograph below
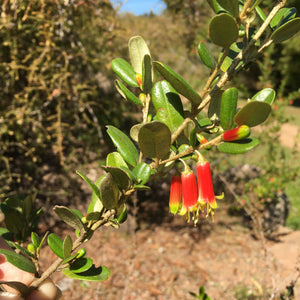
x=56 y=83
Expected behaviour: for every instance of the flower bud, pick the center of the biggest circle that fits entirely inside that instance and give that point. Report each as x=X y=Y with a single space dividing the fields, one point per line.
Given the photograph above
x=175 y=194
x=202 y=140
x=142 y=97
x=139 y=79
x=236 y=133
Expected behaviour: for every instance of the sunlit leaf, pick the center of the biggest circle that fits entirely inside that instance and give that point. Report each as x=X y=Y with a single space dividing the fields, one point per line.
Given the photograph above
x=81 y=265
x=137 y=50
x=147 y=74
x=124 y=145
x=238 y=147
x=228 y=108
x=266 y=95
x=119 y=176
x=126 y=93
x=92 y=274
x=142 y=172
x=125 y=71
x=56 y=244
x=177 y=82
x=109 y=192
x=69 y=217
x=206 y=56
x=167 y=104
x=286 y=31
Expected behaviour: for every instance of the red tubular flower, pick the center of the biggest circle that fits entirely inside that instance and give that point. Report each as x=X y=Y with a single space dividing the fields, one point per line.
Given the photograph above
x=175 y=195
x=202 y=140
x=236 y=133
x=189 y=191
x=206 y=194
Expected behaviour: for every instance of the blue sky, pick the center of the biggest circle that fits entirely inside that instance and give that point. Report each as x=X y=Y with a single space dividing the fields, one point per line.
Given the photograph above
x=140 y=7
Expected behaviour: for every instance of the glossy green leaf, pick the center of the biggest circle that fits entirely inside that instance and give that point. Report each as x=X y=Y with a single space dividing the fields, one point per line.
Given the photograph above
x=266 y=95
x=167 y=104
x=155 y=139
x=232 y=6
x=114 y=159
x=90 y=183
x=69 y=217
x=260 y=13
x=56 y=244
x=122 y=213
x=18 y=260
x=217 y=8
x=142 y=172
x=255 y=4
x=134 y=132
x=238 y=147
x=35 y=239
x=223 y=30
x=234 y=50
x=137 y=50
x=125 y=71
x=124 y=145
x=96 y=204
x=22 y=249
x=126 y=93
x=81 y=265
x=253 y=113
x=286 y=31
x=92 y=274
x=178 y=83
x=284 y=15
x=147 y=74
x=120 y=177
x=129 y=173
x=67 y=246
x=109 y=192
x=228 y=108
x=206 y=57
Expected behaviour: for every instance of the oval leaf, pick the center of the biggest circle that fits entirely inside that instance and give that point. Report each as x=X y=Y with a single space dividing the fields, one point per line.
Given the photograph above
x=231 y=6
x=125 y=71
x=96 y=204
x=253 y=113
x=155 y=139
x=142 y=172
x=167 y=104
x=81 y=265
x=18 y=260
x=266 y=95
x=120 y=177
x=228 y=108
x=147 y=74
x=114 y=159
x=286 y=31
x=126 y=93
x=238 y=147
x=223 y=30
x=178 y=83
x=134 y=132
x=122 y=214
x=92 y=274
x=137 y=50
x=67 y=246
x=124 y=145
x=69 y=217
x=35 y=239
x=284 y=15
x=109 y=192
x=234 y=50
x=56 y=244
x=205 y=55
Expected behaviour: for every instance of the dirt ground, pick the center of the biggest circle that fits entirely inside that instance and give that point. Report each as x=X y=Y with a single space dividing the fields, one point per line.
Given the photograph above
x=170 y=260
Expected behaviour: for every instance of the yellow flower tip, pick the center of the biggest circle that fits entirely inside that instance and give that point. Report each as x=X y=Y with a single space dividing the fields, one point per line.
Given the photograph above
x=213 y=205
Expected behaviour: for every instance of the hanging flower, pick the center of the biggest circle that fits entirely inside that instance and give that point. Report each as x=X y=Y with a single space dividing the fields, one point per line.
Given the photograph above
x=206 y=194
x=189 y=191
x=175 y=194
